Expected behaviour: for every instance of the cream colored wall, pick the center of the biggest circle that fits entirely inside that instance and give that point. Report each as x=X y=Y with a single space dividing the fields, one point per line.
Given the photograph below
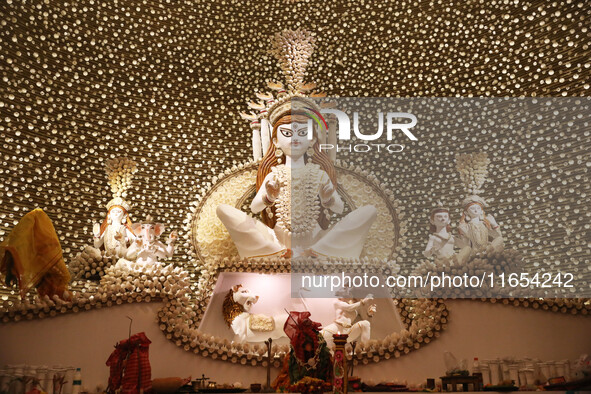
x=475 y=329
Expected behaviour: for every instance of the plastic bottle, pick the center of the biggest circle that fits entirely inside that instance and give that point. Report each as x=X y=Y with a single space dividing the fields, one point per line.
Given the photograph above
x=475 y=366
x=77 y=384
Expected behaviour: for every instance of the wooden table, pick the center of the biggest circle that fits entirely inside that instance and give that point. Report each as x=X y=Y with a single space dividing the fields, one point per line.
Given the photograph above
x=465 y=380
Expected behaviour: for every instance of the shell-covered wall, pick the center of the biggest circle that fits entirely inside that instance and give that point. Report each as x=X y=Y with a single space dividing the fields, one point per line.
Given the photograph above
x=163 y=82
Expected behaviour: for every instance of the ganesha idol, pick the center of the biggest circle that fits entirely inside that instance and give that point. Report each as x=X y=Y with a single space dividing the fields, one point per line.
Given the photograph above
x=147 y=249
x=117 y=240
x=296 y=191
x=114 y=234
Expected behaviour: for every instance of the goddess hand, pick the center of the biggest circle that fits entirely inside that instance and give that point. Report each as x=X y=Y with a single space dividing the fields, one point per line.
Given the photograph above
x=120 y=235
x=96 y=230
x=172 y=237
x=492 y=221
x=366 y=299
x=326 y=191
x=371 y=310
x=272 y=188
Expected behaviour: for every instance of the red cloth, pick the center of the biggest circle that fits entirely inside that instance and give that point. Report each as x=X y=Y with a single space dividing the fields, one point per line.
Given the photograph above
x=130 y=365
x=299 y=329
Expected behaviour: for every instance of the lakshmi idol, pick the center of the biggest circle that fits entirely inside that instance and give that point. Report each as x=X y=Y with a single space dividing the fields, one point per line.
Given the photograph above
x=296 y=182
x=115 y=233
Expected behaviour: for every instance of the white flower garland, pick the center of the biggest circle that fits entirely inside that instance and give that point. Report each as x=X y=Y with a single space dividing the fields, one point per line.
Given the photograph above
x=298 y=207
x=91 y=263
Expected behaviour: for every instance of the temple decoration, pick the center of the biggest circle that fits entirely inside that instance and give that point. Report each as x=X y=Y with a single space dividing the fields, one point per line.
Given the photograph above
x=112 y=237
x=206 y=240
x=340 y=370
x=308 y=366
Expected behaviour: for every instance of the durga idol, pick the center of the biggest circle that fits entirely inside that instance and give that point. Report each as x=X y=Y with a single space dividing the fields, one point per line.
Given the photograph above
x=296 y=193
x=296 y=182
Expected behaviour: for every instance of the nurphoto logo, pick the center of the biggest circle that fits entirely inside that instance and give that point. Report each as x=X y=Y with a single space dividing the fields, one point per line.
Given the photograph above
x=397 y=123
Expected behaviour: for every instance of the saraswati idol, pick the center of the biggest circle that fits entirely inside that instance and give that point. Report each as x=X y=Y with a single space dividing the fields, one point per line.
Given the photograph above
x=296 y=182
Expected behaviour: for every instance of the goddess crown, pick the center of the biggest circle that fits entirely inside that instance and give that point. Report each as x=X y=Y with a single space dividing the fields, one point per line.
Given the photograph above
x=120 y=172
x=292 y=49
x=473 y=169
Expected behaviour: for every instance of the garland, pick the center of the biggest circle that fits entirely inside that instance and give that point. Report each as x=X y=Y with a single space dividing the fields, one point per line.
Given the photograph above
x=298 y=207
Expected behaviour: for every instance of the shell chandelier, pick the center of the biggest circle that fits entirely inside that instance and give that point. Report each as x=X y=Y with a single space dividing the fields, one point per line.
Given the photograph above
x=162 y=82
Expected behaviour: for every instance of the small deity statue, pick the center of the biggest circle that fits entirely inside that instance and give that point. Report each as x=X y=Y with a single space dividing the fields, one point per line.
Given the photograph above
x=348 y=320
x=247 y=326
x=441 y=241
x=478 y=237
x=296 y=182
x=147 y=248
x=115 y=233
x=476 y=231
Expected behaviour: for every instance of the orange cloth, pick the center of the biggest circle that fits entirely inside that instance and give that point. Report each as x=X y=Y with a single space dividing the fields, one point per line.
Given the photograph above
x=33 y=255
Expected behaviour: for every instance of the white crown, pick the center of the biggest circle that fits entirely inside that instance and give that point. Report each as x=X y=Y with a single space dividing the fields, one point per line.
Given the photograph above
x=474 y=199
x=120 y=172
x=473 y=169
x=118 y=201
x=292 y=49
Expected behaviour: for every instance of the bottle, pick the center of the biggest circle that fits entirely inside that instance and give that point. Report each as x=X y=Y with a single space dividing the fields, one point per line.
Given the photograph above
x=476 y=371
x=77 y=384
x=475 y=366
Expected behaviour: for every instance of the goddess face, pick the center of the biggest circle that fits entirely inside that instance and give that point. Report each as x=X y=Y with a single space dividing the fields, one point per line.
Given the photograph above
x=116 y=214
x=293 y=140
x=440 y=219
x=474 y=211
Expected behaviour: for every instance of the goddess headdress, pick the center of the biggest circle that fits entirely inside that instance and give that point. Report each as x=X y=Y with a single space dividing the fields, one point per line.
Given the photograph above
x=292 y=49
x=473 y=169
x=438 y=209
x=120 y=172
